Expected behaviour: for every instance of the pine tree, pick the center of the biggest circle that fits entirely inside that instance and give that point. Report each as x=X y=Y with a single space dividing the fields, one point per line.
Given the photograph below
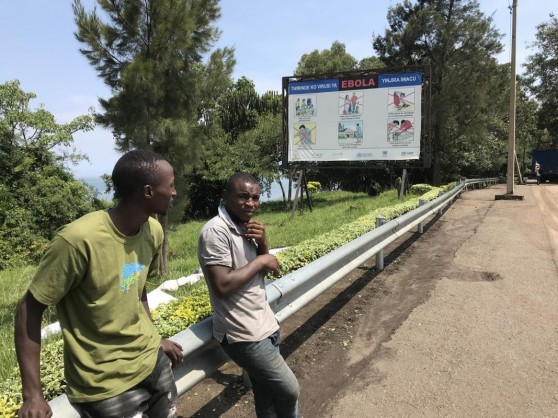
x=150 y=53
x=460 y=43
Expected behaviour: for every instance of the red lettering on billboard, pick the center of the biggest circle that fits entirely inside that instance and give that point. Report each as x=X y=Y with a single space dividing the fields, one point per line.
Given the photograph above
x=365 y=83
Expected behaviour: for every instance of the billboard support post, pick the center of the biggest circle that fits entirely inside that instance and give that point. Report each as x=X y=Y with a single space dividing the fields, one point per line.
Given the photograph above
x=403 y=186
x=297 y=193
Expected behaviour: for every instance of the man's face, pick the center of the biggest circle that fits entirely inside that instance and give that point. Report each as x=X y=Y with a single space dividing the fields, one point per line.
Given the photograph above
x=164 y=193
x=242 y=201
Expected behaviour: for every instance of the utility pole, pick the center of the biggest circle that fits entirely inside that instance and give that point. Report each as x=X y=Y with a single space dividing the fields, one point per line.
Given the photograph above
x=511 y=138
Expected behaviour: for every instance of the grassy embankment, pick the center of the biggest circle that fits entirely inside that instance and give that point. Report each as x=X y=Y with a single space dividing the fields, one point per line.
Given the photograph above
x=330 y=211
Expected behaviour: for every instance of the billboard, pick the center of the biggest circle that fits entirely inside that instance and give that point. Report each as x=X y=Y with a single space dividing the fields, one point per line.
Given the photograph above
x=360 y=117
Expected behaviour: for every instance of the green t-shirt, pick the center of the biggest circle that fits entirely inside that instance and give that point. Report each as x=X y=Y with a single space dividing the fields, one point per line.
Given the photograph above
x=95 y=276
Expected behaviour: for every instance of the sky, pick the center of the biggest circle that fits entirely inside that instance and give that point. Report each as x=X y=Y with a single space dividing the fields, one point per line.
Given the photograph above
x=39 y=49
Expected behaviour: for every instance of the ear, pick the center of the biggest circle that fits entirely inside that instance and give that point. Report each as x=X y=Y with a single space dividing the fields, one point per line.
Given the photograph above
x=224 y=195
x=147 y=191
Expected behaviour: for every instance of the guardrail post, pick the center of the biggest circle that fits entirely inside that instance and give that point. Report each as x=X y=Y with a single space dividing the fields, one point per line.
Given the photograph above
x=420 y=228
x=440 y=193
x=380 y=220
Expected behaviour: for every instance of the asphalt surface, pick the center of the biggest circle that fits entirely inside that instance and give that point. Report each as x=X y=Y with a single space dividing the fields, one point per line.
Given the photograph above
x=485 y=342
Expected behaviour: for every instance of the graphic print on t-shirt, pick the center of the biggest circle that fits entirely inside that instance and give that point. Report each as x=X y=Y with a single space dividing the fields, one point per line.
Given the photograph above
x=130 y=274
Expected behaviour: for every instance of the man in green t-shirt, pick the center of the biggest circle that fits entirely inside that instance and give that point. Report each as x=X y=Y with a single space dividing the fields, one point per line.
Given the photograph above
x=94 y=271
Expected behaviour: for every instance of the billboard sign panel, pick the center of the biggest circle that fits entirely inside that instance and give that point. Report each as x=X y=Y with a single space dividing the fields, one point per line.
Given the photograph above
x=367 y=117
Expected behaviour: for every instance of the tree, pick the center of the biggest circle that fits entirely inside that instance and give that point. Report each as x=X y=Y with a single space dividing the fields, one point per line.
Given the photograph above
x=248 y=137
x=150 y=53
x=370 y=63
x=238 y=108
x=460 y=43
x=542 y=75
x=37 y=192
x=327 y=61
x=529 y=136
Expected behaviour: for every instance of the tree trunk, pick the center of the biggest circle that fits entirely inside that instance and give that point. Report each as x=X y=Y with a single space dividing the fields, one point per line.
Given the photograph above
x=282 y=192
x=290 y=191
x=165 y=247
x=436 y=150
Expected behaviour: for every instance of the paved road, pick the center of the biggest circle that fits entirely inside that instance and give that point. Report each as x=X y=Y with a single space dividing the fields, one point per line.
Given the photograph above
x=485 y=342
x=463 y=322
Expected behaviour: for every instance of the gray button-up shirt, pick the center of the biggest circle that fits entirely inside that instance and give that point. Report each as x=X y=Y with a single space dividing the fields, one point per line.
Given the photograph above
x=244 y=315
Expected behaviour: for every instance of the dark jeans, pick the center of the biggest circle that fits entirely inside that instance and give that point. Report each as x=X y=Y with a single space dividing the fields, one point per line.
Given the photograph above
x=274 y=384
x=154 y=397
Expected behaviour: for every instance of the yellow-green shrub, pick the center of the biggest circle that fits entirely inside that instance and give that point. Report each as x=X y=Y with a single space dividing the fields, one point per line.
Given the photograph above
x=176 y=316
x=8 y=408
x=313 y=186
x=420 y=188
x=307 y=251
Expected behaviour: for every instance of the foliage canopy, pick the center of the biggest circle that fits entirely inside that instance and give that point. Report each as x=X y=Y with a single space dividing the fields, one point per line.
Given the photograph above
x=38 y=194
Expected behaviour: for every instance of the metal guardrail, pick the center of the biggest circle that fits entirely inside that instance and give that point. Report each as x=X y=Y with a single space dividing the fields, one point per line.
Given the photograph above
x=203 y=355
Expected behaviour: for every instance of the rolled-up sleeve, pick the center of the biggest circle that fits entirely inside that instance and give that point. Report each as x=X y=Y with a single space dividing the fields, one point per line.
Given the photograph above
x=214 y=247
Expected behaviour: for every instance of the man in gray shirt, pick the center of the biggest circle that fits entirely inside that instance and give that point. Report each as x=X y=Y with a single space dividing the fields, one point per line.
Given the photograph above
x=234 y=257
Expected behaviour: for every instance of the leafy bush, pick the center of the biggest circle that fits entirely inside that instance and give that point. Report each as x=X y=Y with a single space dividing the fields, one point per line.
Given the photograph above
x=8 y=408
x=176 y=316
x=313 y=186
x=20 y=240
x=307 y=251
x=419 y=189
x=203 y=197
x=449 y=186
x=52 y=378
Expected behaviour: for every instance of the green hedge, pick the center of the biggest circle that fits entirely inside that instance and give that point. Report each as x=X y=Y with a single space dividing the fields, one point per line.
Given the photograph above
x=176 y=316
x=307 y=251
x=420 y=188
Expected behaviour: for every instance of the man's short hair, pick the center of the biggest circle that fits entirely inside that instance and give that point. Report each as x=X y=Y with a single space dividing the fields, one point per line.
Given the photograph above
x=242 y=177
x=134 y=170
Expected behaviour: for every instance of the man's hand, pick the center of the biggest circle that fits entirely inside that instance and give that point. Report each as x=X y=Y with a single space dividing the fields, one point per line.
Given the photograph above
x=173 y=351
x=256 y=230
x=270 y=264
x=35 y=408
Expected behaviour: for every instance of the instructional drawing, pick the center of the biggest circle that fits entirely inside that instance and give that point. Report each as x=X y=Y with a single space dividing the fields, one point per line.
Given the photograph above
x=399 y=130
x=350 y=132
x=305 y=133
x=401 y=100
x=305 y=106
x=351 y=103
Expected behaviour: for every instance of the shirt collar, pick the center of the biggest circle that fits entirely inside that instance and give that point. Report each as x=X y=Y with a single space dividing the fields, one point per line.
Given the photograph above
x=224 y=215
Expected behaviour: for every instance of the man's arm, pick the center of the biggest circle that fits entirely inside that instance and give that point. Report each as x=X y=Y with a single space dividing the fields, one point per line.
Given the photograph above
x=172 y=350
x=27 y=335
x=225 y=280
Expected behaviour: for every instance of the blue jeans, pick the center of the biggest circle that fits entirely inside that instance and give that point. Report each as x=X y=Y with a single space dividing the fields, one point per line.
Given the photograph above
x=274 y=384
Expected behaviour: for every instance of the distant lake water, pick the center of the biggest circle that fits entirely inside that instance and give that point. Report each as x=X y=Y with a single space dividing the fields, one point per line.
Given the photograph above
x=275 y=191
x=99 y=185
